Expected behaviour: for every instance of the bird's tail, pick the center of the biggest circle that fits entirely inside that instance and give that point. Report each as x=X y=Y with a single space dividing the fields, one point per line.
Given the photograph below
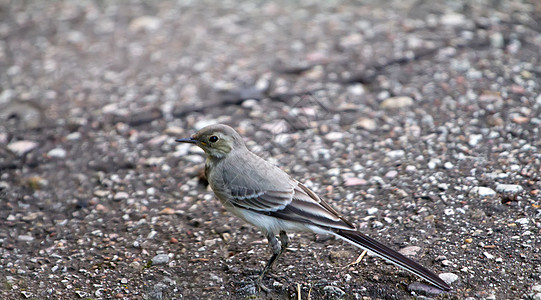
x=360 y=240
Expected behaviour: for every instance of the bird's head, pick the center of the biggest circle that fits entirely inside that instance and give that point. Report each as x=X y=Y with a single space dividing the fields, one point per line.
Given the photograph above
x=216 y=140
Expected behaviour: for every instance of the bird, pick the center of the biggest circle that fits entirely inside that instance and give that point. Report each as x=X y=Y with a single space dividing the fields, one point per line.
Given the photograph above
x=265 y=196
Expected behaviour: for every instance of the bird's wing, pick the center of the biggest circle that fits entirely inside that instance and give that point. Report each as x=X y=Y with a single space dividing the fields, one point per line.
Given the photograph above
x=254 y=184
x=308 y=208
x=264 y=188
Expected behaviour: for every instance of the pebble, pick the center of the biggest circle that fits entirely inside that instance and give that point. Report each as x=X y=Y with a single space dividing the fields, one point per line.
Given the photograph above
x=152 y=234
x=433 y=163
x=120 y=196
x=22 y=147
x=424 y=289
x=101 y=193
x=57 y=153
x=396 y=102
x=74 y=136
x=367 y=124
x=151 y=191
x=167 y=211
x=482 y=191
x=145 y=23
x=391 y=174
x=474 y=139
x=353 y=181
x=446 y=262
x=25 y=238
x=522 y=221
x=334 y=291
x=160 y=259
x=453 y=19
x=154 y=161
x=334 y=136
x=411 y=169
x=488 y=255
x=443 y=186
x=158 y=140
x=175 y=131
x=410 y=251
x=372 y=210
x=509 y=188
x=496 y=40
x=396 y=154
x=449 y=278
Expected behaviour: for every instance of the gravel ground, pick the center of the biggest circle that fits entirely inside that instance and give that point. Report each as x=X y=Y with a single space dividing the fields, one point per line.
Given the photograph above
x=419 y=120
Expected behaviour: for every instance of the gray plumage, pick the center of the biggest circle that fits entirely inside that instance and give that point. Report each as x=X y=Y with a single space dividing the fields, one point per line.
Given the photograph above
x=268 y=198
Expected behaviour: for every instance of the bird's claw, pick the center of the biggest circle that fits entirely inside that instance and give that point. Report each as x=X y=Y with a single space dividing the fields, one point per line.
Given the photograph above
x=261 y=286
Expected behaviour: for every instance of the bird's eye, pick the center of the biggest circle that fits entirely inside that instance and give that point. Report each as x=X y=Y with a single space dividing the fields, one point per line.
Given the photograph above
x=213 y=139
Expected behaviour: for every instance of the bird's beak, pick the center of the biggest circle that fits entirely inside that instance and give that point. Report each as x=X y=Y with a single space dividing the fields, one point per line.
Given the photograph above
x=190 y=140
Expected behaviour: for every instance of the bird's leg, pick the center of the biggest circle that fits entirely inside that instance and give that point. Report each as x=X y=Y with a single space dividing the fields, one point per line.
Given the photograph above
x=276 y=252
x=284 y=242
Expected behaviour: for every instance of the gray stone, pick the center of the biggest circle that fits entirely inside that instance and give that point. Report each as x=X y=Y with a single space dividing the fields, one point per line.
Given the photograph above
x=482 y=191
x=448 y=277
x=160 y=259
x=396 y=102
x=509 y=188
x=57 y=153
x=22 y=147
x=410 y=251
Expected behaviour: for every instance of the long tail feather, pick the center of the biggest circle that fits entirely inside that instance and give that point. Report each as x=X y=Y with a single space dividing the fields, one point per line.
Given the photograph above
x=367 y=243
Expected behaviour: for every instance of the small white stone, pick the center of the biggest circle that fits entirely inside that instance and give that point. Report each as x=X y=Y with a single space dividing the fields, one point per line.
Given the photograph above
x=151 y=191
x=120 y=196
x=509 y=188
x=474 y=139
x=396 y=102
x=334 y=136
x=353 y=181
x=452 y=19
x=22 y=147
x=448 y=277
x=152 y=234
x=448 y=165
x=391 y=174
x=57 y=153
x=411 y=169
x=160 y=259
x=522 y=221
x=396 y=154
x=482 y=191
x=372 y=210
x=449 y=212
x=488 y=255
x=367 y=123
x=25 y=238
x=145 y=23
x=410 y=251
x=74 y=136
x=443 y=186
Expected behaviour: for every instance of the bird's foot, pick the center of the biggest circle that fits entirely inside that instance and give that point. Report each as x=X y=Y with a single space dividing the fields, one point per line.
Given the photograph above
x=261 y=286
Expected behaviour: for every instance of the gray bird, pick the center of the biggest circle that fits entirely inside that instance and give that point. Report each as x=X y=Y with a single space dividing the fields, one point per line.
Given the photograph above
x=268 y=198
